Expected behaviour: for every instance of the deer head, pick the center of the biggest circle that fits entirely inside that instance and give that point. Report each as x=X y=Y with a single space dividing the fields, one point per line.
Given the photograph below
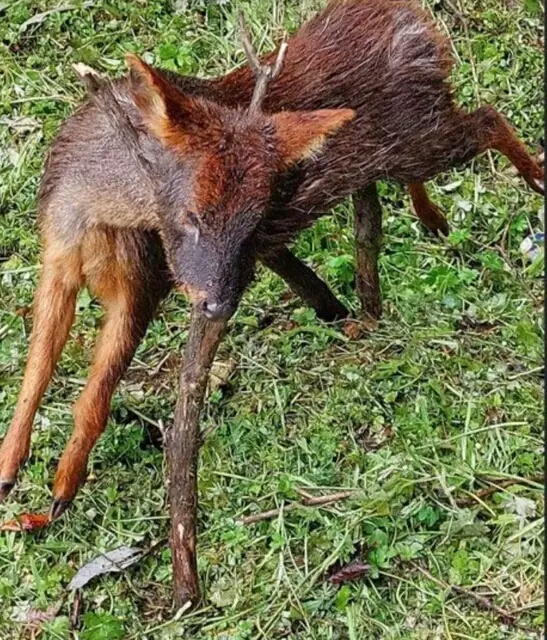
x=218 y=176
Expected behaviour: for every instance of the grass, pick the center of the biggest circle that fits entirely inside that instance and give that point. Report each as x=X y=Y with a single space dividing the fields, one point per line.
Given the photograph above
x=441 y=402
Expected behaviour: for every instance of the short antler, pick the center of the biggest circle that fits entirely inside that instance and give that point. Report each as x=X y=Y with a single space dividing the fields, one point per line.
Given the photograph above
x=264 y=73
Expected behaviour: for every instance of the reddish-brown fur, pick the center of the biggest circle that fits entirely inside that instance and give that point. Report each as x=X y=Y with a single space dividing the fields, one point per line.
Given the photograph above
x=430 y=214
x=185 y=163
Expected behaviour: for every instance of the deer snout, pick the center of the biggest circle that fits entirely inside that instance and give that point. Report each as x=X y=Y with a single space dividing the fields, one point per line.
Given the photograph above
x=214 y=310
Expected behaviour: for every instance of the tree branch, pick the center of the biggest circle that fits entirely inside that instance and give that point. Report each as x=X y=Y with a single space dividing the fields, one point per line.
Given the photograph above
x=264 y=74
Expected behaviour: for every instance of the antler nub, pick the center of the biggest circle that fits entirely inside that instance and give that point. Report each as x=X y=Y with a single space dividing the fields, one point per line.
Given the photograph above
x=264 y=73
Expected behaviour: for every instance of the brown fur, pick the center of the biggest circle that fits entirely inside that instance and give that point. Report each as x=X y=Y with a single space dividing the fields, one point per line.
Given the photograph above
x=223 y=202
x=428 y=212
x=53 y=311
x=130 y=299
x=299 y=136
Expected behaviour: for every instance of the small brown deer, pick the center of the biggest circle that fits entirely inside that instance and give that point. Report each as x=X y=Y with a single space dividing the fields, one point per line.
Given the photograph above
x=363 y=96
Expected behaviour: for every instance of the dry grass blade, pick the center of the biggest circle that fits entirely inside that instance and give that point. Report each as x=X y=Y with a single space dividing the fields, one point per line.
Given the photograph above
x=33 y=619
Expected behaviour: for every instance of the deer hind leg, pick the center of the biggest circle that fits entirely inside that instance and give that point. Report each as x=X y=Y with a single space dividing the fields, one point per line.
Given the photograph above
x=490 y=130
x=426 y=210
x=368 y=237
x=127 y=272
x=53 y=311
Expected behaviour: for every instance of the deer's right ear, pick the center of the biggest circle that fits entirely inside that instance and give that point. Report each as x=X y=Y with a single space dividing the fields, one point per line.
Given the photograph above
x=171 y=116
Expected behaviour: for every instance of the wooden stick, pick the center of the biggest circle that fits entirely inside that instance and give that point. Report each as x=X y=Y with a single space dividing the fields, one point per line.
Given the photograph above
x=76 y=610
x=182 y=448
x=264 y=74
x=368 y=240
x=315 y=501
x=501 y=484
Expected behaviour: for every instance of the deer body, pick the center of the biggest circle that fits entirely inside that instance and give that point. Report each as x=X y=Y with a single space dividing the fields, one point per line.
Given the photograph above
x=355 y=55
x=363 y=96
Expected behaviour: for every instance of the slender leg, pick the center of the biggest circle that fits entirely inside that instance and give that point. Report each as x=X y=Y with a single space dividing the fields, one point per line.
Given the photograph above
x=426 y=210
x=368 y=235
x=53 y=310
x=306 y=284
x=182 y=453
x=130 y=291
x=488 y=129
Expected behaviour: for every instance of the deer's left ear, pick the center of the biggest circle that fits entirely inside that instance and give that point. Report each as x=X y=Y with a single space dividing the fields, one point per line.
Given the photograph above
x=301 y=133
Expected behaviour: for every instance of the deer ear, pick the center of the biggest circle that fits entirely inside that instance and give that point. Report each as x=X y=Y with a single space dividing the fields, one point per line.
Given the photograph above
x=301 y=133
x=170 y=115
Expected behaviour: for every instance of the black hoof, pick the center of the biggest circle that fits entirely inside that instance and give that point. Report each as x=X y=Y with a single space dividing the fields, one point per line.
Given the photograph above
x=438 y=229
x=539 y=186
x=5 y=487
x=58 y=507
x=444 y=229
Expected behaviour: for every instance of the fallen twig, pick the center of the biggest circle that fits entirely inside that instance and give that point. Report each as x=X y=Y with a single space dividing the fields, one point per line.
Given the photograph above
x=76 y=609
x=482 y=601
x=501 y=483
x=312 y=501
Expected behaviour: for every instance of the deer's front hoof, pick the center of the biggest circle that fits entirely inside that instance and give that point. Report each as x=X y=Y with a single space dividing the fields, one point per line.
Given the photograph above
x=538 y=185
x=58 y=507
x=439 y=228
x=538 y=181
x=5 y=487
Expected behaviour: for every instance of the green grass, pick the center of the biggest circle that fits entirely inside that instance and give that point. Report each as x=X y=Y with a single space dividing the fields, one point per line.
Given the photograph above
x=447 y=392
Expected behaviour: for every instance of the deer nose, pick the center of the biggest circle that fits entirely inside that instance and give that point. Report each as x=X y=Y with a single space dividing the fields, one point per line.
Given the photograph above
x=215 y=310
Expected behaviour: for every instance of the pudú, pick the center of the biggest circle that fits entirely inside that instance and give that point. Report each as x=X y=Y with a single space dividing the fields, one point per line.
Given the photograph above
x=161 y=181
